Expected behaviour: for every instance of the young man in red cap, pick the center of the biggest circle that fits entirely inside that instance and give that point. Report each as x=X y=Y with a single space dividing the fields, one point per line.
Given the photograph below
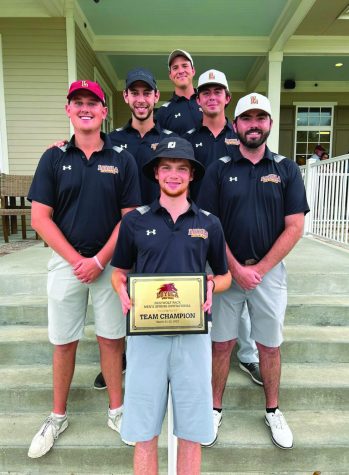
x=171 y=235
x=79 y=194
x=182 y=112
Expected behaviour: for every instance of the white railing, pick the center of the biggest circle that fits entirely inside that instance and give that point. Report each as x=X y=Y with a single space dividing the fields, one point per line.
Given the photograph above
x=327 y=185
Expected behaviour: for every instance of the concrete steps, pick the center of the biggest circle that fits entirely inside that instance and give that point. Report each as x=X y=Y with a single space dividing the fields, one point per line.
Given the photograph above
x=302 y=386
x=323 y=310
x=314 y=393
x=244 y=444
x=303 y=344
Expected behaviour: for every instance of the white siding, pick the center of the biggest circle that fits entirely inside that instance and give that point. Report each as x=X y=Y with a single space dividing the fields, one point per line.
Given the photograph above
x=35 y=79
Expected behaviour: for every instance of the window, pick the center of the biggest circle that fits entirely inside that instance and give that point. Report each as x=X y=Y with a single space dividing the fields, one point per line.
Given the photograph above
x=314 y=124
x=107 y=125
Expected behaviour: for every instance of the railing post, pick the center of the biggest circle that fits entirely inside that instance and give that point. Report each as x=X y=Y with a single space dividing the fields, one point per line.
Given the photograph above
x=309 y=188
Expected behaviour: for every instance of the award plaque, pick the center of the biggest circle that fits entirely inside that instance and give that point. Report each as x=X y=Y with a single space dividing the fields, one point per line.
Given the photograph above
x=166 y=304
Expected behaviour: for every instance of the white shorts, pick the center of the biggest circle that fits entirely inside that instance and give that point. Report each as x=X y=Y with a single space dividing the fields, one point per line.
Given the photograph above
x=153 y=362
x=266 y=305
x=68 y=299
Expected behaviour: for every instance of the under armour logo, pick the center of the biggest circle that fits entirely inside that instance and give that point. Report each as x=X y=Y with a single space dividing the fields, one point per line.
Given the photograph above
x=235 y=178
x=177 y=115
x=123 y=146
x=68 y=167
x=151 y=231
x=198 y=145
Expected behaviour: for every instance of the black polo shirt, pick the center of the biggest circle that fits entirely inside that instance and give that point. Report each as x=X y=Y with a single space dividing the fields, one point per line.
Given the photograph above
x=180 y=114
x=86 y=195
x=142 y=149
x=208 y=148
x=149 y=239
x=253 y=200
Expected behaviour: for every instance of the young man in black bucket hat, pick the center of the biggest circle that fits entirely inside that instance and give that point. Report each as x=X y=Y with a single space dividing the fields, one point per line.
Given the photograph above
x=170 y=236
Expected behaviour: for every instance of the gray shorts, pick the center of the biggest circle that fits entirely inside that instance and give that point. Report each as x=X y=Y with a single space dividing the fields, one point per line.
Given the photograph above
x=68 y=299
x=266 y=305
x=153 y=362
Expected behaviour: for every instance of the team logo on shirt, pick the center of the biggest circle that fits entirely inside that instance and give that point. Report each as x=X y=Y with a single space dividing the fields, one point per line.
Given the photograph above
x=198 y=233
x=167 y=291
x=154 y=145
x=271 y=178
x=108 y=169
x=232 y=141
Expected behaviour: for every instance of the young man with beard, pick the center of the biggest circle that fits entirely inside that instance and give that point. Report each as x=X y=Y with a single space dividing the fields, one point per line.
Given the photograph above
x=79 y=194
x=182 y=360
x=142 y=133
x=211 y=141
x=260 y=199
x=182 y=112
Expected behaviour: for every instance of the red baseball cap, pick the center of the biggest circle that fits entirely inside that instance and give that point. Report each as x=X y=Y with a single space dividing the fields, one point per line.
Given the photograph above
x=85 y=85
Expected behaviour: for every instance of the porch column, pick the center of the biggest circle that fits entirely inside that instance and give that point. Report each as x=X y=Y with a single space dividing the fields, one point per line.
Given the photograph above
x=274 y=91
x=71 y=45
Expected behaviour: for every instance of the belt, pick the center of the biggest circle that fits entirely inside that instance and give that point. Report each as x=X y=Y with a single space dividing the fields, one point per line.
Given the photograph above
x=250 y=262
x=88 y=252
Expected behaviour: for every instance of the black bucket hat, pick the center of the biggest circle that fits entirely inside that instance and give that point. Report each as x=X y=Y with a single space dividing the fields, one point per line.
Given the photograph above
x=174 y=147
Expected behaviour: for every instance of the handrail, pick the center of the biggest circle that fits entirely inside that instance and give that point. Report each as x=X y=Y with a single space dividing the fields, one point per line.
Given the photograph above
x=327 y=186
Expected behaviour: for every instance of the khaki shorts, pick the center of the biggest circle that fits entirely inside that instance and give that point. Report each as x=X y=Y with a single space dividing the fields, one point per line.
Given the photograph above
x=68 y=299
x=266 y=305
x=153 y=362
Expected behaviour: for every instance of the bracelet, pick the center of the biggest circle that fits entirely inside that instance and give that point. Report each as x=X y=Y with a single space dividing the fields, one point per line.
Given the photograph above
x=98 y=263
x=214 y=285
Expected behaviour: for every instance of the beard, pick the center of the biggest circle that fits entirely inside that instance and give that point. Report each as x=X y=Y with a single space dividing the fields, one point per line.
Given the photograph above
x=253 y=143
x=142 y=117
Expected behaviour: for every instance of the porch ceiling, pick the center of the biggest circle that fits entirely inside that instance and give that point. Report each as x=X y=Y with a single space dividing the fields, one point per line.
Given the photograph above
x=234 y=36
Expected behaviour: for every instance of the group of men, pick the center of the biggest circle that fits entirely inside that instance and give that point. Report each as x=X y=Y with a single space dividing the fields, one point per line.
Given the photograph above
x=93 y=200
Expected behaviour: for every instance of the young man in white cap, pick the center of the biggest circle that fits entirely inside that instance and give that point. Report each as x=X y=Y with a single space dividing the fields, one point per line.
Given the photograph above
x=260 y=199
x=79 y=194
x=170 y=236
x=211 y=141
x=182 y=112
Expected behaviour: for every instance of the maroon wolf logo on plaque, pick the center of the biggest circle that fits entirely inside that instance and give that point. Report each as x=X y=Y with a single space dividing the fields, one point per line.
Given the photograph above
x=167 y=291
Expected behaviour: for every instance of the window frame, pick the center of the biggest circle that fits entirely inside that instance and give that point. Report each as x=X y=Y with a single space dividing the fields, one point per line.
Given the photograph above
x=108 y=123
x=317 y=128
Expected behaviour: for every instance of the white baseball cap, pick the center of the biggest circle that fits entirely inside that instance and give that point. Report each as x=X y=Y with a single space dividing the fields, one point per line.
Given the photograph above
x=212 y=76
x=252 y=101
x=179 y=52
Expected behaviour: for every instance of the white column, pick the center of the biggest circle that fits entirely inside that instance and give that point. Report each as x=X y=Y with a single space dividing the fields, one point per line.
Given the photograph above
x=4 y=162
x=71 y=45
x=274 y=92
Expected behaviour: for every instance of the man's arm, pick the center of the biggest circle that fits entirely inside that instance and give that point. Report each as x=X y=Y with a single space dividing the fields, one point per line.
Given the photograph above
x=87 y=269
x=42 y=223
x=119 y=283
x=248 y=277
x=215 y=284
x=294 y=224
x=245 y=276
